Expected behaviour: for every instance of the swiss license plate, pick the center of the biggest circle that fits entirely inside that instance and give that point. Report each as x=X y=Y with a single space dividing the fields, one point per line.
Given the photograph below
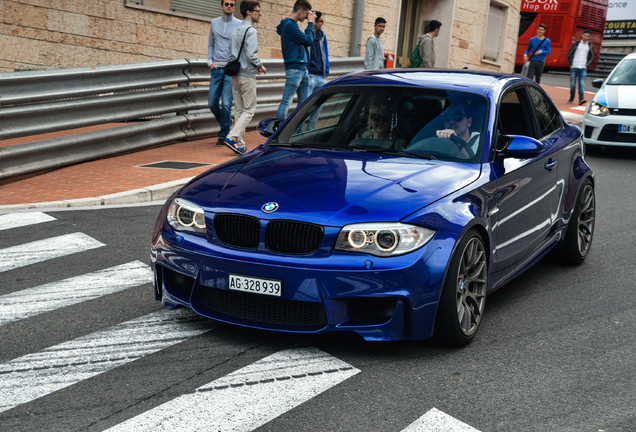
x=253 y=285
x=628 y=129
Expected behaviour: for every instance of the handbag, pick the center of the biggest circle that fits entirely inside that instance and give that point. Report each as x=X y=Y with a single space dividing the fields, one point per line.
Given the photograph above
x=233 y=67
x=526 y=65
x=524 y=68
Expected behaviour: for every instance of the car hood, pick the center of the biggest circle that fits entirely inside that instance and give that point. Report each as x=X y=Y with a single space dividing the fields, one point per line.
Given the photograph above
x=617 y=96
x=327 y=187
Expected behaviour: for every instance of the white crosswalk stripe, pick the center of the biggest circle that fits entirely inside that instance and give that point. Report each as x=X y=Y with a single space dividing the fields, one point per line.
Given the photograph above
x=16 y=220
x=35 y=375
x=436 y=420
x=260 y=392
x=33 y=301
x=43 y=250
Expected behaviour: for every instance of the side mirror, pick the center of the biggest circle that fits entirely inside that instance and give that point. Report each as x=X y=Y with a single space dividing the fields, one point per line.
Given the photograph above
x=268 y=126
x=520 y=147
x=597 y=83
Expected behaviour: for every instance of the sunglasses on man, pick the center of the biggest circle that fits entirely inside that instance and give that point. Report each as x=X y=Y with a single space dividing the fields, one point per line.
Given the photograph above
x=230 y=4
x=456 y=117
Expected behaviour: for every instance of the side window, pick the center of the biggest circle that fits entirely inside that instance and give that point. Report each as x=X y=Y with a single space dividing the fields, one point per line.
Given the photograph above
x=511 y=119
x=548 y=115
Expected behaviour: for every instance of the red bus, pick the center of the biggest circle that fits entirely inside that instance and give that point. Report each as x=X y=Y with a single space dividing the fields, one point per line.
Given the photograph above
x=565 y=21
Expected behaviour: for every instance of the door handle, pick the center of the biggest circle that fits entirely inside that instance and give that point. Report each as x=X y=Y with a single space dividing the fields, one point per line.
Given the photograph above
x=551 y=164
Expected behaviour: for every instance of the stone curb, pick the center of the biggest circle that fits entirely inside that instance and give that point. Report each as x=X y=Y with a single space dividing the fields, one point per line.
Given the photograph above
x=156 y=193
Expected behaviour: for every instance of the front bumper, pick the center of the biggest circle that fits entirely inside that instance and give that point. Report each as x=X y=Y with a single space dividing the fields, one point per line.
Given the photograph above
x=604 y=130
x=377 y=298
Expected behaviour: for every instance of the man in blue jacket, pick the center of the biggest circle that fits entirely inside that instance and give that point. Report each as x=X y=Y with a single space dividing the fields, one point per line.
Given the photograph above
x=293 y=42
x=538 y=48
x=318 y=66
x=318 y=56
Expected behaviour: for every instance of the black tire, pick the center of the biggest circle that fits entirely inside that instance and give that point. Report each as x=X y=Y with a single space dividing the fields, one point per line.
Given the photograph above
x=463 y=297
x=578 y=238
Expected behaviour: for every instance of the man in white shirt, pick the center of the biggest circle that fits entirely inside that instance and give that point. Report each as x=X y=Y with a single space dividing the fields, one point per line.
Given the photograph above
x=580 y=57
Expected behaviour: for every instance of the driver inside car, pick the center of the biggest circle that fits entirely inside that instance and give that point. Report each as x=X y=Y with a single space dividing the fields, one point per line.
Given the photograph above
x=458 y=120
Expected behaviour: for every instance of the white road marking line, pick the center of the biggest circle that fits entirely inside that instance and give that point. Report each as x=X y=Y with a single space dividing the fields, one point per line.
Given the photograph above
x=42 y=250
x=435 y=420
x=39 y=374
x=579 y=108
x=15 y=220
x=572 y=116
x=33 y=301
x=249 y=397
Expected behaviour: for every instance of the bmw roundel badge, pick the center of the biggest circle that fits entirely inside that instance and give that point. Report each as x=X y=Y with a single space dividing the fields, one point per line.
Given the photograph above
x=269 y=207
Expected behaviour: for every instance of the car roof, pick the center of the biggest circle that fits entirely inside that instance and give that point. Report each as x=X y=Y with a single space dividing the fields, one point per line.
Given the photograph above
x=630 y=56
x=447 y=79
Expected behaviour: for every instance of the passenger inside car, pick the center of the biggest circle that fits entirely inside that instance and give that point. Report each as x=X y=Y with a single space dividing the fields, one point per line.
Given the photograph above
x=381 y=130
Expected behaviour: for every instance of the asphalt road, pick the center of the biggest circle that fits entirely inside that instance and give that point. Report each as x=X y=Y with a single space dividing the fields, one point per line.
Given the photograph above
x=555 y=351
x=562 y=79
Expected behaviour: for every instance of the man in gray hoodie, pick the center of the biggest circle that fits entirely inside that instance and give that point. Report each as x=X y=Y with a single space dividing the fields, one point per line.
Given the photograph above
x=244 y=46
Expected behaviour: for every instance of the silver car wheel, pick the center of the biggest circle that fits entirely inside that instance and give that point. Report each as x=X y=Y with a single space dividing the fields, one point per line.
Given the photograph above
x=585 y=221
x=471 y=286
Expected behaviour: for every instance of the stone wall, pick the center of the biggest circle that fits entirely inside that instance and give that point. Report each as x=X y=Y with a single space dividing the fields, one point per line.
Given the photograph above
x=468 y=31
x=46 y=34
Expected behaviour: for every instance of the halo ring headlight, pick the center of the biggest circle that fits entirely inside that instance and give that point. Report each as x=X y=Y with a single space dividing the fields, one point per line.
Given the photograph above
x=383 y=239
x=183 y=215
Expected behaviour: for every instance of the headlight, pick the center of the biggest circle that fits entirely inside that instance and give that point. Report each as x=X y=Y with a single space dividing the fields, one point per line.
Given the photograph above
x=383 y=239
x=183 y=215
x=597 y=109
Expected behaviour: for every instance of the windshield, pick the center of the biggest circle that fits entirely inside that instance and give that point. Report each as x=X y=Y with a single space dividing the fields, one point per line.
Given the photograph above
x=408 y=121
x=624 y=74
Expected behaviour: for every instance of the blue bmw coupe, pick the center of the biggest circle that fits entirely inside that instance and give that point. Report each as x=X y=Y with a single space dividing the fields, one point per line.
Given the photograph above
x=389 y=204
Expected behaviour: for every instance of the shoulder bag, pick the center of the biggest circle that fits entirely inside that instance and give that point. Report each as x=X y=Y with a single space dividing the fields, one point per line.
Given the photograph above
x=234 y=67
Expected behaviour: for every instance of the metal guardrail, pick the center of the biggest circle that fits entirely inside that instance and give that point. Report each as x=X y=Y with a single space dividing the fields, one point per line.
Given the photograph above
x=170 y=95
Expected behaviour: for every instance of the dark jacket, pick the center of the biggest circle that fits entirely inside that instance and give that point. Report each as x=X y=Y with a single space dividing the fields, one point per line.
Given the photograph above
x=318 y=55
x=293 y=42
x=572 y=50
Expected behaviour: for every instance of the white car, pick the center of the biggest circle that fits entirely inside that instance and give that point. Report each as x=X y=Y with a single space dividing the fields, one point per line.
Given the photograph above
x=610 y=118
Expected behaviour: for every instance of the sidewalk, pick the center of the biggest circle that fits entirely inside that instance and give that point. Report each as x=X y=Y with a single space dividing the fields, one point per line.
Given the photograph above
x=124 y=179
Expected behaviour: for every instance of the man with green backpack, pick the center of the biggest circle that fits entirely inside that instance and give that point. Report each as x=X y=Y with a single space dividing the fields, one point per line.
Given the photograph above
x=424 y=52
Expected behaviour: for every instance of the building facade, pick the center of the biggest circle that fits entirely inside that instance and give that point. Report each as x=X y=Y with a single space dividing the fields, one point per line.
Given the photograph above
x=50 y=34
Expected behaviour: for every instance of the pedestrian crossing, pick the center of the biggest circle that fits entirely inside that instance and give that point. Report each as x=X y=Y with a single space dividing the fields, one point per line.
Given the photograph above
x=33 y=301
x=262 y=391
x=42 y=250
x=265 y=389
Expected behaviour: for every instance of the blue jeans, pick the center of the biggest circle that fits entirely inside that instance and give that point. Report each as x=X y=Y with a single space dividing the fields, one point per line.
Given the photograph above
x=221 y=88
x=577 y=74
x=316 y=81
x=297 y=80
